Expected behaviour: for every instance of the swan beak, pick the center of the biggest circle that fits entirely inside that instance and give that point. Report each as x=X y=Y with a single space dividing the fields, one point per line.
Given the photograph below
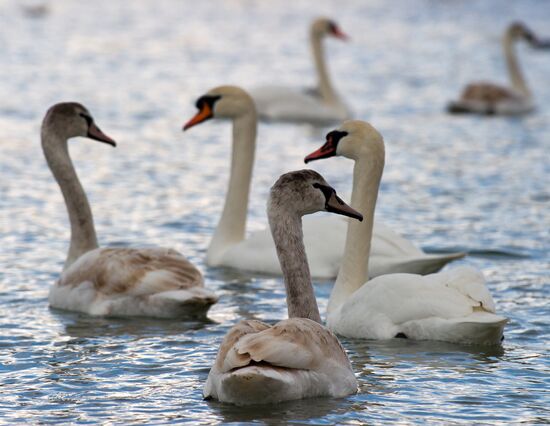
x=336 y=205
x=326 y=151
x=95 y=133
x=204 y=114
x=338 y=33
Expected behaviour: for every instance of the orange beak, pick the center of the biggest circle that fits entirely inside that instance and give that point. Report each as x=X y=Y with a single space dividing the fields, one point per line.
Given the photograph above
x=326 y=151
x=204 y=114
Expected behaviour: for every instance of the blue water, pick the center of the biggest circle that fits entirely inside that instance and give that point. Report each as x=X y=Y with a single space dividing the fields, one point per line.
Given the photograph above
x=476 y=184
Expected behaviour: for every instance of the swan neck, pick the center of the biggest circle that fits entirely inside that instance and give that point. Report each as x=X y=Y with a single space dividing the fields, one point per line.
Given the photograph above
x=512 y=63
x=232 y=224
x=323 y=80
x=83 y=235
x=286 y=228
x=354 y=271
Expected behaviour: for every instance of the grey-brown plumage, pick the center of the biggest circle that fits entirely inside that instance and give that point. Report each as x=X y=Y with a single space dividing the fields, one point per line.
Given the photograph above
x=298 y=357
x=151 y=282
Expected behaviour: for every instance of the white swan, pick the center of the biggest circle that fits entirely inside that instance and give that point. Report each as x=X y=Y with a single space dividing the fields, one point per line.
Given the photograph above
x=154 y=282
x=320 y=105
x=324 y=236
x=488 y=98
x=298 y=357
x=453 y=305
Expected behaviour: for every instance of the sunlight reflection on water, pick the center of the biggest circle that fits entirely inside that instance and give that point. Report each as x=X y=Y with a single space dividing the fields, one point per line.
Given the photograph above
x=450 y=183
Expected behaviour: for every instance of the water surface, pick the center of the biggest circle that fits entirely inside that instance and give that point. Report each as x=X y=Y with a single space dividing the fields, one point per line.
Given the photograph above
x=476 y=184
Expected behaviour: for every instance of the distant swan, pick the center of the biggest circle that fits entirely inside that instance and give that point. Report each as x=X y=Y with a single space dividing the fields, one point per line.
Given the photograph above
x=489 y=98
x=324 y=236
x=298 y=357
x=320 y=105
x=453 y=306
x=152 y=282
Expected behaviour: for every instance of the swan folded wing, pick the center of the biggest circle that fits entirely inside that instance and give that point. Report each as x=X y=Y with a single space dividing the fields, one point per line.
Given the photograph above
x=487 y=92
x=136 y=272
x=296 y=343
x=407 y=297
x=471 y=283
x=228 y=357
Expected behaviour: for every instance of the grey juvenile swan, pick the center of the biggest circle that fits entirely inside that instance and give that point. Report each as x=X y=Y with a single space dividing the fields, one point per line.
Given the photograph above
x=489 y=98
x=153 y=282
x=298 y=357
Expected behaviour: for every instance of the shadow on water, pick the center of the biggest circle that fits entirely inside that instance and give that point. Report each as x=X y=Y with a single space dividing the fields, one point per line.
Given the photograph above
x=305 y=409
x=82 y=325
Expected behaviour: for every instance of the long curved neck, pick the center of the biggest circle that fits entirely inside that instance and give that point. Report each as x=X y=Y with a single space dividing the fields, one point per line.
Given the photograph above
x=286 y=229
x=354 y=271
x=323 y=79
x=514 y=70
x=232 y=224
x=83 y=236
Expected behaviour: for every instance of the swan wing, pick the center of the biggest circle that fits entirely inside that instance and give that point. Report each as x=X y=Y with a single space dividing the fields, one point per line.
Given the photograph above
x=296 y=343
x=136 y=272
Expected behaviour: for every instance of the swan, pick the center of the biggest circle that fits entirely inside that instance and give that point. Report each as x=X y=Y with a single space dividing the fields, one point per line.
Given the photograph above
x=324 y=236
x=298 y=357
x=488 y=98
x=453 y=306
x=153 y=282
x=320 y=105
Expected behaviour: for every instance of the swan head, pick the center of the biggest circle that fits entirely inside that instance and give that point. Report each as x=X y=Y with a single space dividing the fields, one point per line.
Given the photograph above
x=304 y=192
x=222 y=102
x=71 y=119
x=324 y=26
x=518 y=31
x=353 y=139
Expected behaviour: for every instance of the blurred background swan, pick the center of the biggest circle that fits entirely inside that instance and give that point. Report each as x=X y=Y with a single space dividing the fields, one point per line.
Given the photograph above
x=489 y=98
x=320 y=104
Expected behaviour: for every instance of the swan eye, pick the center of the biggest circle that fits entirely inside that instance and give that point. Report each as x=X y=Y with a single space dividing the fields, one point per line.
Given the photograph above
x=326 y=190
x=89 y=120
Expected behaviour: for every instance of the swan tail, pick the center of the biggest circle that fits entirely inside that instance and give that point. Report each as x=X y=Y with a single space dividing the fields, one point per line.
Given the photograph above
x=260 y=384
x=185 y=303
x=481 y=328
x=192 y=302
x=422 y=265
x=478 y=328
x=457 y=107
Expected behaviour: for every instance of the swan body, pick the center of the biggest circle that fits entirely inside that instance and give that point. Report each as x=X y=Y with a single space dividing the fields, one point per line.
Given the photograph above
x=294 y=359
x=298 y=357
x=453 y=305
x=280 y=103
x=488 y=98
x=321 y=105
x=324 y=236
x=152 y=282
x=149 y=282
